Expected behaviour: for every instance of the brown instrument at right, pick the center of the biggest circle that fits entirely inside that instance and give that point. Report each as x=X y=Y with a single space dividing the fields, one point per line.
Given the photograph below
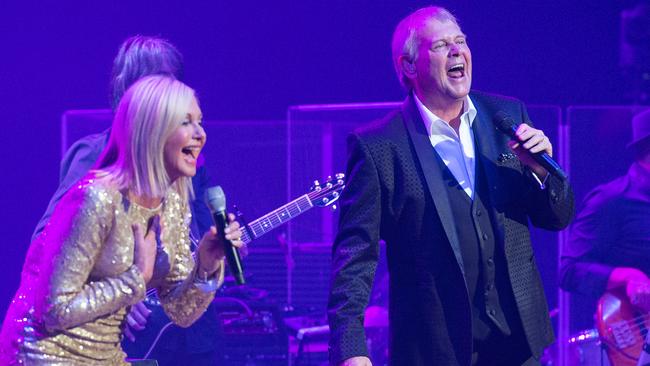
x=622 y=328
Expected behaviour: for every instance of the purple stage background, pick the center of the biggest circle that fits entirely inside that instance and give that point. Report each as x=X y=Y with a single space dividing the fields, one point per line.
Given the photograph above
x=252 y=60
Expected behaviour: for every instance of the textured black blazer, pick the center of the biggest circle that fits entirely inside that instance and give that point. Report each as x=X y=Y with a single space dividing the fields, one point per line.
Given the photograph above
x=395 y=192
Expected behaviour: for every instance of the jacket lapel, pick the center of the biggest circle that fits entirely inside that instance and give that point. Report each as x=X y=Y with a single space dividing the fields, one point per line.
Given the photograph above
x=426 y=155
x=489 y=154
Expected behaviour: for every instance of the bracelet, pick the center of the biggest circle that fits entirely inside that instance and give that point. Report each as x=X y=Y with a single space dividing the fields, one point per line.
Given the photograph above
x=204 y=282
x=203 y=275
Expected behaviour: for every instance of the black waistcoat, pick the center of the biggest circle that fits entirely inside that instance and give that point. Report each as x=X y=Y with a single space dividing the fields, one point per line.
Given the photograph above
x=493 y=304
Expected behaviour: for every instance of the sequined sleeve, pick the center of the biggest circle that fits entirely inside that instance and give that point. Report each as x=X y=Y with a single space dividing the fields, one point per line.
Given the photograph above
x=182 y=299
x=73 y=297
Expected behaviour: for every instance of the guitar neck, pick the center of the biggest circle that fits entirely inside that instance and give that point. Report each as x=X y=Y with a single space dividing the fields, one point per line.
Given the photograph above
x=275 y=218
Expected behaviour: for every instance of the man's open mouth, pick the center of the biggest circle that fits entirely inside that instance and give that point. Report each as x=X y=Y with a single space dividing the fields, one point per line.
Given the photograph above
x=456 y=71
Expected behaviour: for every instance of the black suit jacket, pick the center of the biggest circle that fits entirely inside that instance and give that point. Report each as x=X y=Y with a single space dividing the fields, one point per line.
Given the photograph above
x=395 y=192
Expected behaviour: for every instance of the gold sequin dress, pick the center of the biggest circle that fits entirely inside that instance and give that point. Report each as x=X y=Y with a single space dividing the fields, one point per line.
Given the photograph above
x=79 y=278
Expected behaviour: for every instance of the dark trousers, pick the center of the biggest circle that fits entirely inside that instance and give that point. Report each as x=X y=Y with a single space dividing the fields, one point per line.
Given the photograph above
x=500 y=350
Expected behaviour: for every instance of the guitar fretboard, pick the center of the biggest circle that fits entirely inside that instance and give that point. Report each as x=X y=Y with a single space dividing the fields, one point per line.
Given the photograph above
x=276 y=218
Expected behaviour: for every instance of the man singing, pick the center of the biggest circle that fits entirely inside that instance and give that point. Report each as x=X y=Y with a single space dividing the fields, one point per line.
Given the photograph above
x=443 y=188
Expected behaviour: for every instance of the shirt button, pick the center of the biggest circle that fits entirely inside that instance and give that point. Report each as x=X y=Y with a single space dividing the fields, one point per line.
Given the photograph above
x=478 y=212
x=490 y=262
x=492 y=312
x=485 y=236
x=489 y=287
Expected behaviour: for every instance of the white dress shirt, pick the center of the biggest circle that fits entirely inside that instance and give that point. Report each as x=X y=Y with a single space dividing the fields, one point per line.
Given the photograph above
x=455 y=149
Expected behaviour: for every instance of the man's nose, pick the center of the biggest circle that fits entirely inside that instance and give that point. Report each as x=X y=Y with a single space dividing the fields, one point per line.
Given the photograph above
x=454 y=49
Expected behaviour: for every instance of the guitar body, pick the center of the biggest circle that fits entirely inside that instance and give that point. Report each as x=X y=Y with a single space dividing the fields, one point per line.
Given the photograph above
x=622 y=328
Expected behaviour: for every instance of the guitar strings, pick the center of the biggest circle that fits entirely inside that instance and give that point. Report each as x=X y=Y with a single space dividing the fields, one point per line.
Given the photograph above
x=635 y=320
x=273 y=219
x=643 y=318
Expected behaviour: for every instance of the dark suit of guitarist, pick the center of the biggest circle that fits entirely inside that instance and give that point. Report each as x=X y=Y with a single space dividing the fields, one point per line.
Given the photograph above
x=464 y=287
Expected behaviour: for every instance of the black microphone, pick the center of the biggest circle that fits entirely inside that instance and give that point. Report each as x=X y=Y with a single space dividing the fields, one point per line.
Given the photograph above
x=217 y=203
x=508 y=126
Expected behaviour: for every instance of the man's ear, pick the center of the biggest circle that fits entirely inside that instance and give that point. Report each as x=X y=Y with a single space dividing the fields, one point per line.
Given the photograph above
x=408 y=66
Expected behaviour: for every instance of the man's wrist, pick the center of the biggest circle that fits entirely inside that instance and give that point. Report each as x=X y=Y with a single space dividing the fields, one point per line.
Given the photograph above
x=621 y=276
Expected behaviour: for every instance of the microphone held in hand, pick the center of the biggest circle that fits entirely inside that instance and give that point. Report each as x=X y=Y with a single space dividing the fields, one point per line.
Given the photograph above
x=508 y=126
x=217 y=203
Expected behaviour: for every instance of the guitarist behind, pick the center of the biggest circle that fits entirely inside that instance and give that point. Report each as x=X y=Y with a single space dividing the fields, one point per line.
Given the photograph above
x=609 y=252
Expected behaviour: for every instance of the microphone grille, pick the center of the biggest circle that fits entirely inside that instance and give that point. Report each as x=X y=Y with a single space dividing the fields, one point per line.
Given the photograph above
x=504 y=122
x=216 y=198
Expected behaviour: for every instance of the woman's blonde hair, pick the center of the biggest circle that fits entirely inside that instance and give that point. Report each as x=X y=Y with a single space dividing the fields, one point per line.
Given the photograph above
x=146 y=116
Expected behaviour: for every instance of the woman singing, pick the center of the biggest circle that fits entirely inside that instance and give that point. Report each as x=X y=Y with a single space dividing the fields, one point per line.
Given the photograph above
x=122 y=229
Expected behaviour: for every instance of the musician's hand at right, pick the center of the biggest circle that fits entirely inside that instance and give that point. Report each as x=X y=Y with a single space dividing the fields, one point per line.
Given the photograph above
x=136 y=319
x=637 y=285
x=356 y=361
x=639 y=294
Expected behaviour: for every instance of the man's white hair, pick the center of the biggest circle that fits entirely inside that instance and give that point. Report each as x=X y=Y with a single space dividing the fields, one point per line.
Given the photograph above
x=405 y=38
